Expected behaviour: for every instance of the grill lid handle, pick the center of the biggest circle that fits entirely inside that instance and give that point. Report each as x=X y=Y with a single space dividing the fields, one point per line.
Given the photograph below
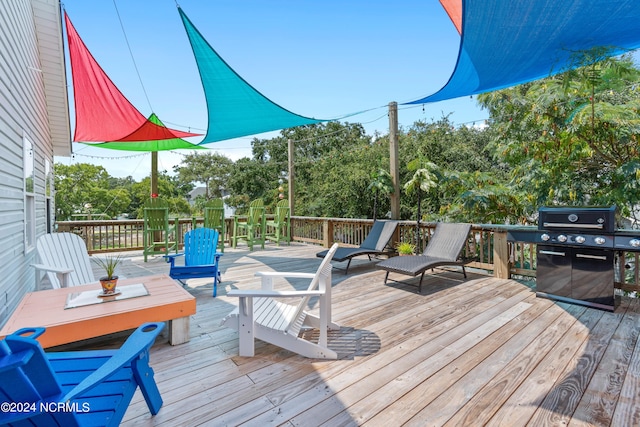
x=568 y=225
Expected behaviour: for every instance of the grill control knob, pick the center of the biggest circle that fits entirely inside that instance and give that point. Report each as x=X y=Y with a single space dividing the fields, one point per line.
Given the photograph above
x=634 y=243
x=580 y=239
x=600 y=240
x=562 y=238
x=545 y=237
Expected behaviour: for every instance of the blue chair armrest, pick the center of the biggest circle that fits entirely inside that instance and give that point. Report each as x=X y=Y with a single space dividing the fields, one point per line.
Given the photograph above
x=171 y=258
x=134 y=351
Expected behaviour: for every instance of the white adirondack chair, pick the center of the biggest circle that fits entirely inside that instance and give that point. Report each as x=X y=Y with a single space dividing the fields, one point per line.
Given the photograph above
x=64 y=260
x=260 y=316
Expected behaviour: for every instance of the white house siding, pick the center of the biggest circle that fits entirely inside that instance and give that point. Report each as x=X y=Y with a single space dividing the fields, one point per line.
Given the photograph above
x=25 y=111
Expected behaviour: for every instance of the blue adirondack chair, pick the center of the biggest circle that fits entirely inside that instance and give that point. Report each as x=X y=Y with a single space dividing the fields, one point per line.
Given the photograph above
x=75 y=388
x=200 y=257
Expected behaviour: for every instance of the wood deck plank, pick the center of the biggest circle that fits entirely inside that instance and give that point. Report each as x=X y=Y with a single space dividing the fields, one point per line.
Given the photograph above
x=355 y=384
x=599 y=399
x=400 y=410
x=477 y=351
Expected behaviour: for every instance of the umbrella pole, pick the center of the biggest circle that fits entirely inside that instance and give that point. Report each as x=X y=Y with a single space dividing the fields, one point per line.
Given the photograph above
x=154 y=173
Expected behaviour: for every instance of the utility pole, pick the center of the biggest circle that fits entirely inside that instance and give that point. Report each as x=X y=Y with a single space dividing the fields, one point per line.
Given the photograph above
x=291 y=187
x=393 y=160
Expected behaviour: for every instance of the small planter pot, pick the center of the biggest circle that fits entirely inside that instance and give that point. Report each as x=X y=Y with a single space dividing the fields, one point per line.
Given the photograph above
x=109 y=285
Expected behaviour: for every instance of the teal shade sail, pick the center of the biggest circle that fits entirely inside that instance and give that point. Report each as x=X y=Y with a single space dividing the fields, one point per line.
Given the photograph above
x=234 y=107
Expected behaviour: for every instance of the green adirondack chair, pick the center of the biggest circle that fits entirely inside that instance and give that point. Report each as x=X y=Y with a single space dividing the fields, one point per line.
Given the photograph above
x=159 y=237
x=279 y=228
x=250 y=228
x=214 y=219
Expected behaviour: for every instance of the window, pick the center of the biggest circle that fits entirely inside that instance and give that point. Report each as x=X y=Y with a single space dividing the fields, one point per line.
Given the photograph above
x=29 y=196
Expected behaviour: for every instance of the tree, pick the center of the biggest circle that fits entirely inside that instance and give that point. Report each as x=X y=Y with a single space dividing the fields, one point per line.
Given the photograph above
x=81 y=185
x=210 y=169
x=381 y=182
x=573 y=138
x=249 y=180
x=423 y=180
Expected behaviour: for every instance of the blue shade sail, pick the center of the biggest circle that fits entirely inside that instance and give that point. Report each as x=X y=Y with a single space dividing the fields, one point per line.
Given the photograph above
x=509 y=42
x=234 y=107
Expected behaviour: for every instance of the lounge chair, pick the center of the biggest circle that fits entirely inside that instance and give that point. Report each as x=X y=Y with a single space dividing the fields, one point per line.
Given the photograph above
x=260 y=315
x=374 y=244
x=444 y=248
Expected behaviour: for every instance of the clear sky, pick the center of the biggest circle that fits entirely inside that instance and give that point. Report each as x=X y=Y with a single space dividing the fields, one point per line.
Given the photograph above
x=322 y=59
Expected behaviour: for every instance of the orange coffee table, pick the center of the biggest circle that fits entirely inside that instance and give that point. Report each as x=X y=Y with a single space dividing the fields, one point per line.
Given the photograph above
x=166 y=301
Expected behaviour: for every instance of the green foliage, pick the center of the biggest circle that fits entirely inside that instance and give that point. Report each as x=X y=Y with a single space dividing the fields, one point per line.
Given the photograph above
x=405 y=248
x=109 y=264
x=381 y=183
x=81 y=185
x=571 y=139
x=210 y=169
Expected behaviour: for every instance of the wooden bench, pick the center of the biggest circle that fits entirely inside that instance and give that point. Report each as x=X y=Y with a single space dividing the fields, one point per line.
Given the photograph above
x=167 y=302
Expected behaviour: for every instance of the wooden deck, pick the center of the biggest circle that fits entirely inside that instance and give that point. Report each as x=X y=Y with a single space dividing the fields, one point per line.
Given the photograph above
x=475 y=352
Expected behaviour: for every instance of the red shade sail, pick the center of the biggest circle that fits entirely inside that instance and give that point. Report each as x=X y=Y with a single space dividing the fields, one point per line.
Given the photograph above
x=454 y=10
x=102 y=111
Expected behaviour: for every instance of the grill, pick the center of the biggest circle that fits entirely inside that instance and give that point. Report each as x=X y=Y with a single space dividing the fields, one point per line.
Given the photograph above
x=576 y=248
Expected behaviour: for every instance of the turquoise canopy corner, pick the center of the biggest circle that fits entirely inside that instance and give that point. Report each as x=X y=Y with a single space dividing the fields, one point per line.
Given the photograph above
x=509 y=42
x=234 y=107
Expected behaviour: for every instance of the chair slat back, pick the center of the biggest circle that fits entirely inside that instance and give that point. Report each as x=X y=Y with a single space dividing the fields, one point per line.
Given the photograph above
x=256 y=212
x=282 y=212
x=214 y=214
x=156 y=214
x=321 y=279
x=447 y=241
x=200 y=246
x=65 y=250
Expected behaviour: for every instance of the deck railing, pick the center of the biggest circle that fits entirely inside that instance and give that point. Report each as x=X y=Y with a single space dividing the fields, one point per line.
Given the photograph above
x=488 y=249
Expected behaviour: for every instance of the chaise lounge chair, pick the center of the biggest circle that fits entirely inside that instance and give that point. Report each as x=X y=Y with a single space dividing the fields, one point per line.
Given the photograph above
x=444 y=248
x=374 y=244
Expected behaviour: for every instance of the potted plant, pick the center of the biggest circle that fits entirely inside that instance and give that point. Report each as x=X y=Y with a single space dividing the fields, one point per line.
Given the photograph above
x=109 y=280
x=405 y=248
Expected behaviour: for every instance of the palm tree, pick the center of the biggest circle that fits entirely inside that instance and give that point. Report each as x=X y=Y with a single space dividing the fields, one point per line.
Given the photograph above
x=381 y=183
x=423 y=180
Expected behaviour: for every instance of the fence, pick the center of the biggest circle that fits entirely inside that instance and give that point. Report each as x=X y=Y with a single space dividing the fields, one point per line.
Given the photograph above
x=488 y=247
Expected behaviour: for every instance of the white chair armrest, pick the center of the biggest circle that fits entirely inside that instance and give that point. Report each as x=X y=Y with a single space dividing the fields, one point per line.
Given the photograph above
x=245 y=293
x=57 y=270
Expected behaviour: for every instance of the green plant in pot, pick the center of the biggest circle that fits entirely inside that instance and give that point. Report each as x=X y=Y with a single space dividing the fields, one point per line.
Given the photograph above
x=109 y=280
x=405 y=248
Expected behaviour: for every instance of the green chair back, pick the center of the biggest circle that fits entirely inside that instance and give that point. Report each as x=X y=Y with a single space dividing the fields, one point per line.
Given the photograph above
x=214 y=218
x=256 y=212
x=158 y=236
x=251 y=227
x=279 y=229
